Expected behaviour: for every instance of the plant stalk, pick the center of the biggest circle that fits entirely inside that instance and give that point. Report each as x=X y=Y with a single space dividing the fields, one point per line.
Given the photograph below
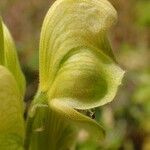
x=46 y=129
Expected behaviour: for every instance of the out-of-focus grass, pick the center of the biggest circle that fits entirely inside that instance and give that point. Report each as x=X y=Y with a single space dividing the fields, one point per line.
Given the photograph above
x=126 y=119
x=143 y=17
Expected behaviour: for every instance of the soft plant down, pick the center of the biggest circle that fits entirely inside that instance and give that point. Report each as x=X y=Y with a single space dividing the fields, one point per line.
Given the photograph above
x=77 y=72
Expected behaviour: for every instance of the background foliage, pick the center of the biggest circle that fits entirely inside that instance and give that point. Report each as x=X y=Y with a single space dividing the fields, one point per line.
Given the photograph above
x=127 y=118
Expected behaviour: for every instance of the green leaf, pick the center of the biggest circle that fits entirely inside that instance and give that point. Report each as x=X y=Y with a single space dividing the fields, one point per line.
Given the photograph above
x=11 y=112
x=9 y=58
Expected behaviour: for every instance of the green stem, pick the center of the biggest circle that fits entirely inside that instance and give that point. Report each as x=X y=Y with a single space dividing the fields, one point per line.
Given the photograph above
x=46 y=129
x=36 y=103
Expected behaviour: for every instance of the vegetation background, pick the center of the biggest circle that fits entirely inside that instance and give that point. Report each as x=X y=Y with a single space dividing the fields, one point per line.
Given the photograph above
x=127 y=118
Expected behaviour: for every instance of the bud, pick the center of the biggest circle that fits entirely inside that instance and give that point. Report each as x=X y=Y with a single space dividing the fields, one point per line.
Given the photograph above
x=9 y=58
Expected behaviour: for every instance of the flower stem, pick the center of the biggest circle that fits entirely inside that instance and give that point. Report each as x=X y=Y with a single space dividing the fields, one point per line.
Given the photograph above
x=46 y=129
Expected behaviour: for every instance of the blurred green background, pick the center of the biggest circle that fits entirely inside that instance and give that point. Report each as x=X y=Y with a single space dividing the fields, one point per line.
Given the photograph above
x=127 y=118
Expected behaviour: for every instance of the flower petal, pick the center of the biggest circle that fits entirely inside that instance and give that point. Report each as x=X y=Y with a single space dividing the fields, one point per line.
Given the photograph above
x=86 y=80
x=71 y=24
x=77 y=118
x=11 y=112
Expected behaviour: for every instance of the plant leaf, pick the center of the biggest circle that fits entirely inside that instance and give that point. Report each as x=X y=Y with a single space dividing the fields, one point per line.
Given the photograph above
x=9 y=58
x=11 y=112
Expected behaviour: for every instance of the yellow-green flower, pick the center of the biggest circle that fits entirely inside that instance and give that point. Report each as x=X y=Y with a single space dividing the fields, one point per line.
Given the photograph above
x=78 y=70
